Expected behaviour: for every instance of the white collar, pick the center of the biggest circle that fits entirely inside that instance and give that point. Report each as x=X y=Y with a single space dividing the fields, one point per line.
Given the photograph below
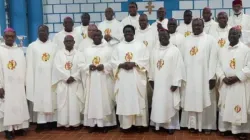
x=145 y=30
x=72 y=52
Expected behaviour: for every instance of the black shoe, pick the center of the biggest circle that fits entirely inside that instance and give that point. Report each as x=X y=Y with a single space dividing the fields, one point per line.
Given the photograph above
x=140 y=129
x=226 y=133
x=192 y=130
x=92 y=129
x=9 y=135
x=39 y=128
x=171 y=131
x=207 y=132
x=21 y=132
x=105 y=130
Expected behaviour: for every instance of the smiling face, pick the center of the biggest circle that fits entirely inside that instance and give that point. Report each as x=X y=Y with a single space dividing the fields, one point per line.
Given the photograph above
x=197 y=26
x=129 y=33
x=222 y=19
x=10 y=38
x=143 y=21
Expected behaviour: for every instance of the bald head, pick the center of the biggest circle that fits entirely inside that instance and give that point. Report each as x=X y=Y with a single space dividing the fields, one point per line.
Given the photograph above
x=222 y=19
x=109 y=13
x=172 y=25
x=161 y=13
x=91 y=29
x=69 y=42
x=68 y=24
x=206 y=14
x=143 y=21
x=43 y=33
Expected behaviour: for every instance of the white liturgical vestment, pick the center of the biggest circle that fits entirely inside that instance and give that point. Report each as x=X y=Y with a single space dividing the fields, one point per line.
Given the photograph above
x=69 y=96
x=14 y=108
x=99 y=94
x=234 y=108
x=114 y=29
x=208 y=25
x=166 y=70
x=130 y=20
x=39 y=59
x=130 y=87
x=185 y=29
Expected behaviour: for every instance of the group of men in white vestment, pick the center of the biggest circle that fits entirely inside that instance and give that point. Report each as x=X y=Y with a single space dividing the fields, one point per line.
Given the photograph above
x=146 y=74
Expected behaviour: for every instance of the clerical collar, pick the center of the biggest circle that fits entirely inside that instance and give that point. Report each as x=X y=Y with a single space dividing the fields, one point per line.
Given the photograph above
x=100 y=45
x=134 y=17
x=109 y=21
x=129 y=42
x=208 y=22
x=146 y=29
x=9 y=47
x=69 y=52
x=222 y=29
x=164 y=47
x=38 y=40
x=238 y=14
x=201 y=34
x=158 y=21
x=235 y=46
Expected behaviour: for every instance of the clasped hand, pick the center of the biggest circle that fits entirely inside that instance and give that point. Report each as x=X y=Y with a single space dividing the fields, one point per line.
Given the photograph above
x=107 y=37
x=231 y=80
x=70 y=80
x=99 y=67
x=127 y=65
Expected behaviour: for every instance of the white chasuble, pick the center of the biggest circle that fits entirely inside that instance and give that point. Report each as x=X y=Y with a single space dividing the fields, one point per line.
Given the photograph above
x=147 y=37
x=234 y=61
x=185 y=29
x=99 y=87
x=82 y=31
x=59 y=39
x=242 y=21
x=131 y=85
x=69 y=96
x=199 y=54
x=164 y=24
x=114 y=29
x=208 y=25
x=166 y=70
x=176 y=39
x=12 y=78
x=134 y=21
x=39 y=58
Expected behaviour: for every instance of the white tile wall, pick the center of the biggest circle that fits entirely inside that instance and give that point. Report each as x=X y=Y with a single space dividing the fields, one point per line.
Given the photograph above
x=151 y=16
x=53 y=1
x=215 y=3
x=73 y=8
x=186 y=4
x=59 y=8
x=53 y=18
x=121 y=15
x=107 y=0
x=63 y=16
x=93 y=1
x=200 y=4
x=95 y=17
x=80 y=1
x=115 y=6
x=67 y=1
x=47 y=9
x=87 y=7
x=100 y=7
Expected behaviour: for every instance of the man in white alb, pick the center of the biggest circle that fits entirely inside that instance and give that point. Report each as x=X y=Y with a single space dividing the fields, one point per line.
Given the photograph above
x=208 y=21
x=161 y=21
x=88 y=41
x=234 y=73
x=14 y=108
x=68 y=25
x=66 y=81
x=111 y=28
x=186 y=27
x=242 y=20
x=130 y=60
x=133 y=17
x=166 y=70
x=145 y=33
x=99 y=107
x=176 y=38
x=200 y=58
x=83 y=28
x=39 y=59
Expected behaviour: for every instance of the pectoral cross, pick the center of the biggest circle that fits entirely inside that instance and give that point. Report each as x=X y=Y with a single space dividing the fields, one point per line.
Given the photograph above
x=150 y=7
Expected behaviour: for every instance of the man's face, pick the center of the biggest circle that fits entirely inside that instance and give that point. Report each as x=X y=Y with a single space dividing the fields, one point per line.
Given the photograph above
x=85 y=19
x=164 y=38
x=206 y=14
x=172 y=25
x=197 y=26
x=68 y=24
x=109 y=13
x=69 y=42
x=161 y=13
x=43 y=33
x=237 y=8
x=132 y=9
x=143 y=21
x=10 y=38
x=222 y=20
x=234 y=36
x=91 y=30
x=129 y=34
x=97 y=38
x=187 y=17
